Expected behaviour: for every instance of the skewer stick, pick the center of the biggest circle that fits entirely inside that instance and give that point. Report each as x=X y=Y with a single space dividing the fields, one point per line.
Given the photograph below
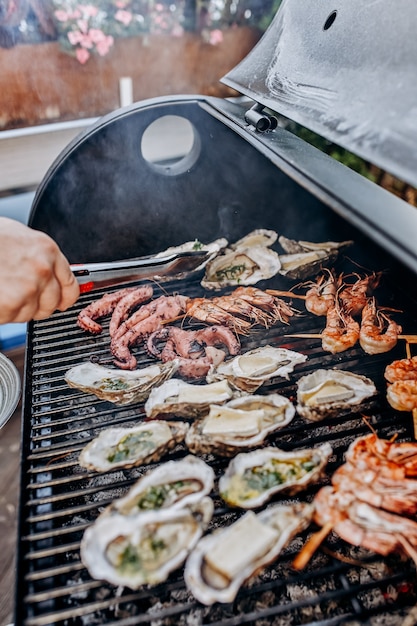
x=289 y=294
x=408 y=338
x=311 y=546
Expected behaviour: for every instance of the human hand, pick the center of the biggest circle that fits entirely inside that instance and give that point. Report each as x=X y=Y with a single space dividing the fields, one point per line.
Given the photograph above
x=35 y=277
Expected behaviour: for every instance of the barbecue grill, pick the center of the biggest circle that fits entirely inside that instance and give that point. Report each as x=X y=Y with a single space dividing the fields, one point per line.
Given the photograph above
x=103 y=201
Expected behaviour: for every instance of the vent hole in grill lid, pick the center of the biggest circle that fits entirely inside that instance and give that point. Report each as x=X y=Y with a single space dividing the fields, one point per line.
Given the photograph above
x=330 y=20
x=170 y=145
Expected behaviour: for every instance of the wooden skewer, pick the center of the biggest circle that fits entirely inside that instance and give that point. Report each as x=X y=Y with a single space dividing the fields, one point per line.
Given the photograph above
x=415 y=423
x=311 y=546
x=289 y=294
x=408 y=338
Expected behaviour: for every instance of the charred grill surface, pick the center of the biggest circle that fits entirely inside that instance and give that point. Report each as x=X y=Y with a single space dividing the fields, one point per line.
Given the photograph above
x=59 y=499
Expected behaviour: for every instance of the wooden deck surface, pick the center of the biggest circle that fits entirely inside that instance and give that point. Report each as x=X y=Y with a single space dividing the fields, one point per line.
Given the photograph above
x=9 y=494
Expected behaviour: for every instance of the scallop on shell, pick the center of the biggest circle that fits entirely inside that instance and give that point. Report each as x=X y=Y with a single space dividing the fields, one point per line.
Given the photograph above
x=245 y=262
x=250 y=370
x=324 y=393
x=129 y=447
x=238 y=425
x=119 y=386
x=143 y=549
x=173 y=484
x=182 y=399
x=252 y=478
x=225 y=559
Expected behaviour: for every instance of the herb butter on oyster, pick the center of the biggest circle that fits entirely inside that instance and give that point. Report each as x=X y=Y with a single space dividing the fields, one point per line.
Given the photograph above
x=245 y=262
x=143 y=549
x=252 y=478
x=129 y=447
x=182 y=399
x=238 y=425
x=250 y=370
x=119 y=386
x=173 y=484
x=224 y=560
x=324 y=393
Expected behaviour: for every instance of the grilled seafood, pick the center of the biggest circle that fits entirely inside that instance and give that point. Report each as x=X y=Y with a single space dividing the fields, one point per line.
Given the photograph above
x=245 y=262
x=174 y=484
x=204 y=310
x=248 y=371
x=401 y=369
x=341 y=331
x=370 y=452
x=402 y=395
x=279 y=310
x=126 y=304
x=146 y=320
x=224 y=560
x=364 y=525
x=354 y=297
x=196 y=350
x=145 y=548
x=321 y=295
x=100 y=308
x=119 y=387
x=129 y=447
x=378 y=333
x=239 y=424
x=306 y=258
x=252 y=478
x=326 y=392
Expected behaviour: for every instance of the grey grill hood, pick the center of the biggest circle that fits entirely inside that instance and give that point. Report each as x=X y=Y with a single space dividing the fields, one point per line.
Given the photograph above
x=345 y=69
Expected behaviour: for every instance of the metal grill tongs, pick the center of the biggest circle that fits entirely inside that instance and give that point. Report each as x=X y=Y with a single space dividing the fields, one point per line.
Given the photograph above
x=98 y=275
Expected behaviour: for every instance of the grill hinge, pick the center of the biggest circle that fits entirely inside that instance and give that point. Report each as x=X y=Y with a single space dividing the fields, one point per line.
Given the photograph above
x=260 y=120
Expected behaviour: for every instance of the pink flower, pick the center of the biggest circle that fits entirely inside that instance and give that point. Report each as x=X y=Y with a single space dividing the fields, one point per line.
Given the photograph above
x=121 y=4
x=96 y=35
x=177 y=31
x=123 y=16
x=74 y=37
x=89 y=10
x=82 y=55
x=61 y=16
x=82 y=25
x=216 y=36
x=104 y=46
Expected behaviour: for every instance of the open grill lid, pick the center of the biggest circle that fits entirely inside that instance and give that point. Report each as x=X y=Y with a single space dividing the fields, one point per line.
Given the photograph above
x=345 y=70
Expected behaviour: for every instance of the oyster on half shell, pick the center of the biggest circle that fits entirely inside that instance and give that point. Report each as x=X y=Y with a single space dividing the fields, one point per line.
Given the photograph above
x=145 y=548
x=182 y=399
x=250 y=370
x=173 y=484
x=245 y=262
x=252 y=478
x=305 y=258
x=238 y=425
x=119 y=386
x=326 y=392
x=129 y=447
x=225 y=559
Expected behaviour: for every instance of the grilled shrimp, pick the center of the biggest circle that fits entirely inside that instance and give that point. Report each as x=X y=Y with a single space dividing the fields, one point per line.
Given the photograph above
x=204 y=310
x=361 y=524
x=354 y=297
x=341 y=332
x=402 y=369
x=242 y=307
x=402 y=395
x=378 y=333
x=372 y=452
x=321 y=295
x=280 y=310
x=100 y=308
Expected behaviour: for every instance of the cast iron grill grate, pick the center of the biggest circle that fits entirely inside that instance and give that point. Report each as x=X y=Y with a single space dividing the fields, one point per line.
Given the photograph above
x=59 y=499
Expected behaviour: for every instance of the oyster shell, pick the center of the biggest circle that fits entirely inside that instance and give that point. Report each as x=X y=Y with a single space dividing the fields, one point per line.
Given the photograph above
x=305 y=258
x=119 y=386
x=182 y=399
x=248 y=371
x=145 y=548
x=245 y=262
x=252 y=478
x=212 y=248
x=238 y=425
x=224 y=560
x=173 y=484
x=324 y=393
x=129 y=447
